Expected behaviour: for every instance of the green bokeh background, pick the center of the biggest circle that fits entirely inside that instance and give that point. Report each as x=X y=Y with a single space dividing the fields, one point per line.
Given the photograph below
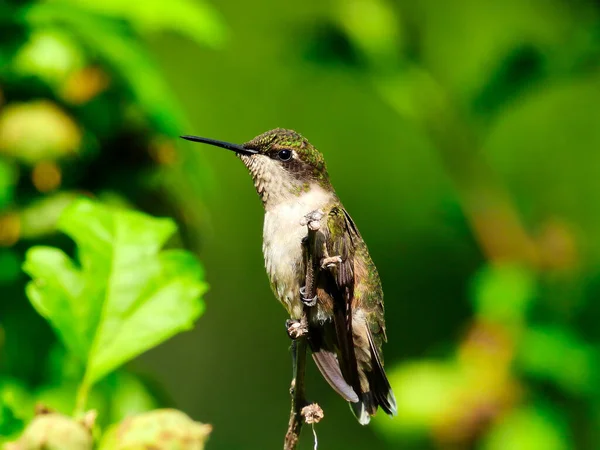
x=463 y=137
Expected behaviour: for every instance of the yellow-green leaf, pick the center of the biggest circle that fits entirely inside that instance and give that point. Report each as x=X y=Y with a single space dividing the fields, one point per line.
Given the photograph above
x=125 y=296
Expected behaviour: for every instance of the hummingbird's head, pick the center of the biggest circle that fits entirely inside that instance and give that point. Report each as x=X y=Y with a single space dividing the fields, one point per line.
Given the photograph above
x=283 y=164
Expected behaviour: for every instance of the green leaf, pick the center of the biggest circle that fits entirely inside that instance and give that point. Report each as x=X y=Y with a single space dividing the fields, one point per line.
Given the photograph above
x=125 y=297
x=16 y=407
x=128 y=396
x=122 y=51
x=423 y=391
x=10 y=266
x=379 y=38
x=94 y=25
x=8 y=178
x=528 y=428
x=10 y=425
x=14 y=394
x=194 y=19
x=51 y=54
x=503 y=293
x=60 y=398
x=40 y=217
x=543 y=351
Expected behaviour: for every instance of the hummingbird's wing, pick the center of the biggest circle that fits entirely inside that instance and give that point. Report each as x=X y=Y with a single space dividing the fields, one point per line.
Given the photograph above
x=352 y=290
x=336 y=290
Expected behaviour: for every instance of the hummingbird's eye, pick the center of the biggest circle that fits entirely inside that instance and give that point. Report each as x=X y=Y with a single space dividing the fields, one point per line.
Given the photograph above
x=284 y=155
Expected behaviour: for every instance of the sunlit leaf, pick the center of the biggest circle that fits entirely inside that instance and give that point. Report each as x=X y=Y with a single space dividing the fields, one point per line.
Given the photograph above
x=39 y=218
x=378 y=38
x=424 y=390
x=503 y=293
x=37 y=130
x=195 y=19
x=528 y=428
x=50 y=54
x=125 y=295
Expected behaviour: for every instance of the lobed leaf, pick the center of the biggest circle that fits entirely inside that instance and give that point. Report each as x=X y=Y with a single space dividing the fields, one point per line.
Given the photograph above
x=125 y=296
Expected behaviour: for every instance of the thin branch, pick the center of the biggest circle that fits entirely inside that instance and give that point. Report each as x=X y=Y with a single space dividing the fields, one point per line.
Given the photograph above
x=299 y=412
x=298 y=394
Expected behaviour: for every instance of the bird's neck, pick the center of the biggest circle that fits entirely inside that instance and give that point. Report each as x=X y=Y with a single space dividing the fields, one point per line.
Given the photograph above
x=277 y=188
x=296 y=207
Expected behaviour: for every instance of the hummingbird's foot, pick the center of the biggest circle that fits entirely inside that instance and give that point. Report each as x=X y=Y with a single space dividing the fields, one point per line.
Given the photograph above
x=296 y=328
x=313 y=219
x=307 y=301
x=330 y=262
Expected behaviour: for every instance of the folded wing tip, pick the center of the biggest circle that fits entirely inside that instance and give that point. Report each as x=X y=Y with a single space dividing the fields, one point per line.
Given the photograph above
x=329 y=367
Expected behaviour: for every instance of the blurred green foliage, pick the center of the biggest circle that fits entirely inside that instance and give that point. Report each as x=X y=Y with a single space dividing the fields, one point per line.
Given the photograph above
x=84 y=103
x=461 y=136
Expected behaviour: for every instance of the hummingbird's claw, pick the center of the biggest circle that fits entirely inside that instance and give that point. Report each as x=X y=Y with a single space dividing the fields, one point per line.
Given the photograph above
x=313 y=219
x=310 y=301
x=307 y=301
x=330 y=262
x=296 y=328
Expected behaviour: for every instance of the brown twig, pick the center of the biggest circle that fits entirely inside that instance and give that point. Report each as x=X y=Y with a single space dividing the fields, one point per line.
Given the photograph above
x=299 y=411
x=298 y=396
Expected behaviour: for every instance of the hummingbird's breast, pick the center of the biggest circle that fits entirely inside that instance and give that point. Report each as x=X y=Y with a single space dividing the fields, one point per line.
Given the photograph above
x=282 y=245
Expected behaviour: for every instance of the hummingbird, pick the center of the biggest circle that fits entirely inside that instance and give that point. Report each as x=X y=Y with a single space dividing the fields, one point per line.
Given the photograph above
x=346 y=326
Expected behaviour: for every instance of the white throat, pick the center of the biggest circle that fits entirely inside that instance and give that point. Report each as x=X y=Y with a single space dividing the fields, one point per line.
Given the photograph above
x=275 y=185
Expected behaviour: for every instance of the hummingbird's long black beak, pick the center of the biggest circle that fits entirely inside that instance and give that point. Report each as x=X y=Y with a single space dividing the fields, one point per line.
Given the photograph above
x=229 y=146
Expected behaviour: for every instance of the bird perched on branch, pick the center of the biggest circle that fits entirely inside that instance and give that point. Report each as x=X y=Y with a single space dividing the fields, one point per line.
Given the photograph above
x=346 y=327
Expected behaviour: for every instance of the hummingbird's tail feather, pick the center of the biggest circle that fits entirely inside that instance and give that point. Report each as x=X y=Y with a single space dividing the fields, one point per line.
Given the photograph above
x=364 y=408
x=380 y=386
x=360 y=381
x=329 y=367
x=378 y=396
x=376 y=391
